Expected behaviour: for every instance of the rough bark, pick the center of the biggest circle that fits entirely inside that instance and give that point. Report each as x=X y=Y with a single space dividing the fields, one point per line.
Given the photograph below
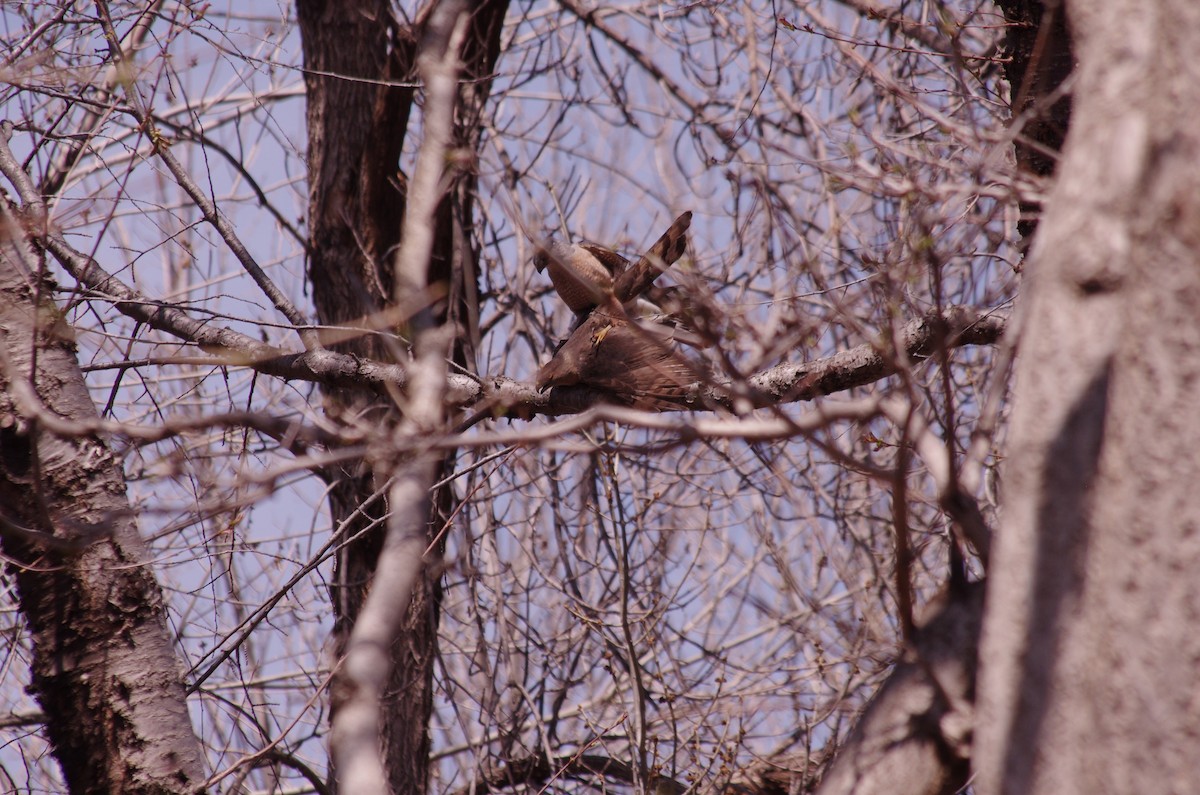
x=357 y=198
x=104 y=669
x=1040 y=58
x=914 y=736
x=356 y=203
x=1088 y=678
x=356 y=128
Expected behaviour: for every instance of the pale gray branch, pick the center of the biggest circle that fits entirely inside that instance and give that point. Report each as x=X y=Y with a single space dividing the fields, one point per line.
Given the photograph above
x=368 y=661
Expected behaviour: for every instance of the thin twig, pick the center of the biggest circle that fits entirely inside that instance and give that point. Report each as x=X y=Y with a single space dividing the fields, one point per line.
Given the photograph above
x=207 y=206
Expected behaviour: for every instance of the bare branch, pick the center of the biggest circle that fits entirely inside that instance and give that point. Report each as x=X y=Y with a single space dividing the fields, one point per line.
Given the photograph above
x=900 y=24
x=538 y=771
x=207 y=207
x=368 y=659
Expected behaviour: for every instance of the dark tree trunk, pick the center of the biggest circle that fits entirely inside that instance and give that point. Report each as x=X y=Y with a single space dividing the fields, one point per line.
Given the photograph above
x=104 y=667
x=1040 y=58
x=356 y=206
x=914 y=737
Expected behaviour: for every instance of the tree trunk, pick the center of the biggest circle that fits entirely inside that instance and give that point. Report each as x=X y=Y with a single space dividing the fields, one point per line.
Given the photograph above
x=104 y=667
x=913 y=738
x=1040 y=58
x=356 y=205
x=1088 y=679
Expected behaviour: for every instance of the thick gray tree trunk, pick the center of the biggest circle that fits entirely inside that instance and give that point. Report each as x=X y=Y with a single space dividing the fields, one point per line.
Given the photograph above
x=104 y=667
x=1088 y=679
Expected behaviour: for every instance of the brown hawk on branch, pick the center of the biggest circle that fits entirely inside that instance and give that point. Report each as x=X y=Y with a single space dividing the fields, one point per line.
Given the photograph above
x=614 y=348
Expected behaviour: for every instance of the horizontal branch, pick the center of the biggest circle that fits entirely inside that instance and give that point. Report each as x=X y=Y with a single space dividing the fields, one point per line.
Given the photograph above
x=794 y=382
x=498 y=396
x=916 y=340
x=504 y=397
x=228 y=347
x=501 y=396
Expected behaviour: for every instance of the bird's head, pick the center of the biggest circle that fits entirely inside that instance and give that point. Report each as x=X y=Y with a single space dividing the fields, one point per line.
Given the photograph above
x=551 y=250
x=562 y=370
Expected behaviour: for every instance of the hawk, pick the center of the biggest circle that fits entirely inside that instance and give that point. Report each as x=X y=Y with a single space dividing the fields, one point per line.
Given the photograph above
x=614 y=348
x=582 y=273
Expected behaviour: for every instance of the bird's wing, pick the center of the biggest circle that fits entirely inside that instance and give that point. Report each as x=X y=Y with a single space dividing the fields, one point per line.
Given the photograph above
x=613 y=262
x=667 y=329
x=639 y=365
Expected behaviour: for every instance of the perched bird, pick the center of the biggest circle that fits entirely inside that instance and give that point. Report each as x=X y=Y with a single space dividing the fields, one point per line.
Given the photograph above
x=635 y=359
x=582 y=274
x=614 y=347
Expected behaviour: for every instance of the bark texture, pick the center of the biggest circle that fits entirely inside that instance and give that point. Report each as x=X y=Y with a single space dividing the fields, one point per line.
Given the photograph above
x=357 y=200
x=104 y=668
x=1040 y=59
x=1088 y=680
x=915 y=736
